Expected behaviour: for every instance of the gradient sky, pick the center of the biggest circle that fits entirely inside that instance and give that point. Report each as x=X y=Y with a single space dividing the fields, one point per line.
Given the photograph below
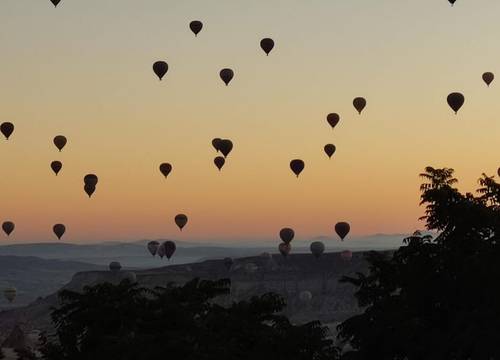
x=84 y=70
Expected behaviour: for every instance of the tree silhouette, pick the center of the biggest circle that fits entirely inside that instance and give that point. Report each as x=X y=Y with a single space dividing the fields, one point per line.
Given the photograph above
x=434 y=298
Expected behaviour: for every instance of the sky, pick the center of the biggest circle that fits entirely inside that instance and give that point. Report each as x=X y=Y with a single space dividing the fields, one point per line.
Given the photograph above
x=83 y=70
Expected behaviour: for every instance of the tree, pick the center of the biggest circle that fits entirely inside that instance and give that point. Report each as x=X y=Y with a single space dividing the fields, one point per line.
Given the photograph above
x=435 y=298
x=126 y=322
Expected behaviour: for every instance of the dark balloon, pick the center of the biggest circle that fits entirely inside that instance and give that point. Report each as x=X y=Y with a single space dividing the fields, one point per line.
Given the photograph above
x=153 y=247
x=267 y=45
x=452 y=2
x=225 y=147
x=330 y=150
x=455 y=100
x=219 y=161
x=285 y=249
x=60 y=141
x=226 y=75
x=7 y=129
x=169 y=248
x=59 y=230
x=89 y=189
x=56 y=166
x=8 y=227
x=165 y=169
x=161 y=251
x=90 y=181
x=342 y=229
x=333 y=119
x=181 y=220
x=115 y=266
x=55 y=2
x=359 y=104
x=297 y=166
x=216 y=144
x=498 y=171
x=287 y=235
x=488 y=78
x=228 y=263
x=196 y=27
x=317 y=249
x=160 y=68
x=346 y=255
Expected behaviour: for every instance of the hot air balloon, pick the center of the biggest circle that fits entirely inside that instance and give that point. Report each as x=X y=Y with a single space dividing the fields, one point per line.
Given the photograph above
x=305 y=296
x=225 y=147
x=89 y=190
x=8 y=227
x=267 y=45
x=196 y=27
x=160 y=68
x=452 y=2
x=219 y=161
x=455 y=100
x=161 y=251
x=115 y=266
x=181 y=220
x=333 y=119
x=342 y=229
x=90 y=182
x=317 y=249
x=59 y=230
x=226 y=75
x=153 y=247
x=284 y=249
x=359 y=104
x=498 y=171
x=60 y=141
x=346 y=255
x=216 y=144
x=10 y=294
x=330 y=150
x=297 y=166
x=169 y=248
x=55 y=2
x=165 y=169
x=56 y=166
x=287 y=235
x=488 y=78
x=7 y=129
x=228 y=263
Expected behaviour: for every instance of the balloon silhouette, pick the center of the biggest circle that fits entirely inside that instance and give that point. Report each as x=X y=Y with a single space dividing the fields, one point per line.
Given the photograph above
x=284 y=249
x=330 y=150
x=333 y=119
x=160 y=68
x=359 y=104
x=219 y=161
x=161 y=251
x=59 y=230
x=498 y=171
x=7 y=129
x=287 y=235
x=55 y=2
x=488 y=78
x=115 y=266
x=226 y=75
x=452 y=2
x=455 y=101
x=342 y=229
x=169 y=248
x=10 y=294
x=216 y=144
x=56 y=166
x=196 y=27
x=181 y=220
x=297 y=166
x=60 y=142
x=225 y=147
x=153 y=247
x=317 y=249
x=8 y=227
x=165 y=169
x=90 y=182
x=267 y=45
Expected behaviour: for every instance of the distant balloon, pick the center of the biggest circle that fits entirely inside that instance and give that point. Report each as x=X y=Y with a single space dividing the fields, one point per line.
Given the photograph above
x=216 y=144
x=60 y=141
x=330 y=150
x=359 y=104
x=488 y=78
x=115 y=266
x=153 y=247
x=161 y=251
x=165 y=169
x=169 y=248
x=10 y=294
x=342 y=229
x=90 y=182
x=226 y=75
x=55 y=2
x=89 y=190
x=297 y=166
x=160 y=68
x=317 y=249
x=59 y=230
x=284 y=249
x=498 y=171
x=287 y=235
x=455 y=100
x=452 y=2
x=8 y=227
x=181 y=220
x=228 y=263
x=196 y=27
x=305 y=296
x=333 y=119
x=219 y=161
x=267 y=45
x=56 y=166
x=225 y=147
x=346 y=255
x=7 y=129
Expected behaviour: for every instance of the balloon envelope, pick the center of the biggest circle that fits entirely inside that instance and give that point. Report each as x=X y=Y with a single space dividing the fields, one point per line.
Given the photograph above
x=488 y=78
x=297 y=166
x=452 y=2
x=8 y=227
x=284 y=249
x=153 y=247
x=59 y=230
x=60 y=141
x=90 y=179
x=181 y=220
x=55 y=2
x=359 y=104
x=216 y=144
x=330 y=150
x=219 y=161
x=56 y=166
x=196 y=27
x=169 y=248
x=342 y=229
x=89 y=190
x=115 y=266
x=226 y=75
x=160 y=68
x=317 y=249
x=455 y=101
x=165 y=169
x=161 y=251
x=267 y=45
x=333 y=119
x=7 y=129
x=287 y=235
x=225 y=147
